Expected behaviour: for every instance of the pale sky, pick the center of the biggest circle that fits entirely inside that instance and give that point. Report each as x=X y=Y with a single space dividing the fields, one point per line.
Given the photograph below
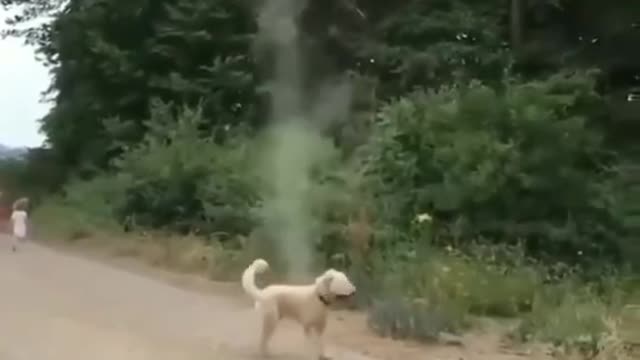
x=22 y=79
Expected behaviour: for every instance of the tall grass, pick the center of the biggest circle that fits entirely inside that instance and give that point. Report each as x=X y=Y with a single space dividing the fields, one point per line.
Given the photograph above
x=440 y=291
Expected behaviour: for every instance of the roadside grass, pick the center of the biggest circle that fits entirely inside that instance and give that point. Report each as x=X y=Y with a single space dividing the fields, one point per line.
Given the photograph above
x=426 y=298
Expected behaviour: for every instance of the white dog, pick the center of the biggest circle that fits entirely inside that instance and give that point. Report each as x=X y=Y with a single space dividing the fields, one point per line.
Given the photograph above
x=305 y=304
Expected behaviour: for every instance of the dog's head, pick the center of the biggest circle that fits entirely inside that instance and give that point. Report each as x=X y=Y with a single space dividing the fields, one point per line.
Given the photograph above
x=335 y=284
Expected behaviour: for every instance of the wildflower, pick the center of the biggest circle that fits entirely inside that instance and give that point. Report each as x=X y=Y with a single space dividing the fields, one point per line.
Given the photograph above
x=420 y=218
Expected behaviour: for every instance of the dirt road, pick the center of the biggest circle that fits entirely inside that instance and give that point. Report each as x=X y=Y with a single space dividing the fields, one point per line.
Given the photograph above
x=55 y=306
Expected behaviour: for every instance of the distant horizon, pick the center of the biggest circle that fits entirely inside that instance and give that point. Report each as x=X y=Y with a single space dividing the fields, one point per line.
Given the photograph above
x=10 y=147
x=22 y=80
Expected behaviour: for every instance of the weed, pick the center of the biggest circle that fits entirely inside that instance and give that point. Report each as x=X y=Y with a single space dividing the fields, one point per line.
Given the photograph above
x=568 y=317
x=401 y=319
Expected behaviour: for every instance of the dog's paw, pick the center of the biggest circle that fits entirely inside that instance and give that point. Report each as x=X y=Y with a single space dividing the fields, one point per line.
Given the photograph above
x=265 y=353
x=324 y=357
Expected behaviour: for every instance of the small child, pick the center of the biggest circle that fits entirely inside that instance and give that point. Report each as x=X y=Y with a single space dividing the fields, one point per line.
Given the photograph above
x=19 y=222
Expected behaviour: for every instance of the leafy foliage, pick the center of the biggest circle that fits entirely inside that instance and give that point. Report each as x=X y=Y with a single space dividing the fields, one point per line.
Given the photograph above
x=427 y=44
x=34 y=173
x=503 y=159
x=110 y=59
x=524 y=162
x=181 y=179
x=175 y=179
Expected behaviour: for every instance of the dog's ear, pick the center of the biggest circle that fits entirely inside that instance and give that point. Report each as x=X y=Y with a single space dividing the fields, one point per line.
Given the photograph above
x=325 y=281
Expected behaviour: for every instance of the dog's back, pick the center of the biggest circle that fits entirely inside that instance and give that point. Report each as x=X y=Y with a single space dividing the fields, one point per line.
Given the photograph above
x=297 y=302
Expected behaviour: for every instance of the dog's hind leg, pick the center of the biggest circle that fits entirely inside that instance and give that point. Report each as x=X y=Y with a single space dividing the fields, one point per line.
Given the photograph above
x=269 y=322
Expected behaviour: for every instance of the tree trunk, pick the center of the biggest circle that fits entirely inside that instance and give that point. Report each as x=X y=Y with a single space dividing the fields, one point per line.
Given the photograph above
x=516 y=23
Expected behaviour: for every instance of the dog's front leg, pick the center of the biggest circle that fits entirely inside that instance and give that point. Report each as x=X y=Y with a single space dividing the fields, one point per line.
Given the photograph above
x=316 y=339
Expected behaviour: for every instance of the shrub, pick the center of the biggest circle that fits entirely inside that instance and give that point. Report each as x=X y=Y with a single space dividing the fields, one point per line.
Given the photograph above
x=402 y=319
x=84 y=209
x=444 y=288
x=57 y=219
x=589 y=318
x=183 y=181
x=175 y=179
x=524 y=162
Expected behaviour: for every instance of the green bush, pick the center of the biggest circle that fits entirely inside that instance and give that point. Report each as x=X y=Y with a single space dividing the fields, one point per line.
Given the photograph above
x=524 y=162
x=181 y=180
x=178 y=178
x=60 y=218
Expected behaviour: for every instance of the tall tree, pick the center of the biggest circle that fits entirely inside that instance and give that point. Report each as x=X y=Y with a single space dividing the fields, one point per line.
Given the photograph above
x=110 y=58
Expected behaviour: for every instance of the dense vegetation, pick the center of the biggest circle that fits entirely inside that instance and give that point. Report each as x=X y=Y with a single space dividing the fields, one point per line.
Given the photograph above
x=510 y=123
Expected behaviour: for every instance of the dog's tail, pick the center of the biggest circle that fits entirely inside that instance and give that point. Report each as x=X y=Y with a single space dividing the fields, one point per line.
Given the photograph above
x=249 y=278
